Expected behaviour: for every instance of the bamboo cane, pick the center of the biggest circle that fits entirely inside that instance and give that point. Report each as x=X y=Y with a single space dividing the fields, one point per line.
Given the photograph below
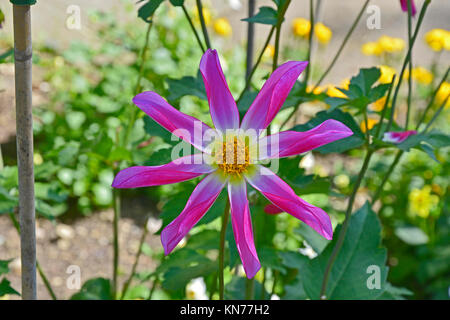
x=23 y=65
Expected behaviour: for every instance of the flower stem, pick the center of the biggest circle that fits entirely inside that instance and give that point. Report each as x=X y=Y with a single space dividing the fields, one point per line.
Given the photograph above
x=249 y=78
x=438 y=112
x=406 y=61
x=385 y=107
x=116 y=207
x=343 y=44
x=430 y=104
x=203 y=23
x=310 y=43
x=408 y=100
x=225 y=216
x=345 y=224
x=387 y=176
x=136 y=261
x=249 y=289
x=278 y=33
x=191 y=24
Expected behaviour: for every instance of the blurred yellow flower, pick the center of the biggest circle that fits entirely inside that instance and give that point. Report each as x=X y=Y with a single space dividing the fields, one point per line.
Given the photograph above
x=443 y=93
x=334 y=92
x=387 y=73
x=371 y=49
x=421 y=75
x=341 y=181
x=222 y=27
x=301 y=27
x=322 y=33
x=206 y=15
x=378 y=105
x=345 y=84
x=438 y=39
x=269 y=52
x=422 y=201
x=317 y=90
x=390 y=44
x=371 y=122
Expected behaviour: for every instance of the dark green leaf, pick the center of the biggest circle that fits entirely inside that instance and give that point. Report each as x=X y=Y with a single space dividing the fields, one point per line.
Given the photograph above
x=186 y=86
x=4 y=269
x=5 y=288
x=265 y=15
x=235 y=290
x=359 y=265
x=147 y=10
x=177 y=3
x=94 y=289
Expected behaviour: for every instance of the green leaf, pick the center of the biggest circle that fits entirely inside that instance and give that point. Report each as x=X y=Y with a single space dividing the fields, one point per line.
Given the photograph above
x=360 y=261
x=4 y=269
x=235 y=290
x=177 y=277
x=147 y=10
x=5 y=55
x=265 y=15
x=67 y=155
x=269 y=259
x=94 y=289
x=186 y=86
x=352 y=142
x=316 y=241
x=7 y=202
x=155 y=130
x=177 y=3
x=5 y=288
x=365 y=79
x=394 y=293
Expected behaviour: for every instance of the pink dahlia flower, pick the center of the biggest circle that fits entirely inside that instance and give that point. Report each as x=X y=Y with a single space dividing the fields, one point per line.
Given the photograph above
x=230 y=160
x=398 y=137
x=404 y=4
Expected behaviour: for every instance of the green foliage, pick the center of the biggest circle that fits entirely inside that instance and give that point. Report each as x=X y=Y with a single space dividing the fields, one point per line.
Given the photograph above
x=265 y=15
x=94 y=289
x=360 y=255
x=5 y=284
x=148 y=9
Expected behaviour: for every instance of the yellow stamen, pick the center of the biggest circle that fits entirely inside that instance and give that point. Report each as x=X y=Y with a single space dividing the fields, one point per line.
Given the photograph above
x=233 y=157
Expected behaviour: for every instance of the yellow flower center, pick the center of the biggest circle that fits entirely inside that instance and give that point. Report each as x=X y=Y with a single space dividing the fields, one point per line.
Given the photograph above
x=233 y=156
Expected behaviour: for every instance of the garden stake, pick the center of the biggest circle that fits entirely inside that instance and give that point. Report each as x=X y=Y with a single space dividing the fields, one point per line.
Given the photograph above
x=24 y=124
x=250 y=39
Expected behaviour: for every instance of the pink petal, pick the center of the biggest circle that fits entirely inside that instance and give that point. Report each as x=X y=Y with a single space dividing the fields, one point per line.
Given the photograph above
x=289 y=143
x=280 y=194
x=242 y=228
x=404 y=4
x=224 y=112
x=398 y=137
x=182 y=169
x=201 y=199
x=272 y=95
x=272 y=209
x=183 y=126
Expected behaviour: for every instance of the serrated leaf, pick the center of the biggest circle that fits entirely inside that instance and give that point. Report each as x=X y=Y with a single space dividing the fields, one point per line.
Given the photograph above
x=360 y=258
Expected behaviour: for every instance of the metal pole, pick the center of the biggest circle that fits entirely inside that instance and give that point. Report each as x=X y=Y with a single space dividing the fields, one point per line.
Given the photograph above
x=250 y=38
x=24 y=124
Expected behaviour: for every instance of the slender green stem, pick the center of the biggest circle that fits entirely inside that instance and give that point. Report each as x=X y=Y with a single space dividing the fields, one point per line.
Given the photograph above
x=203 y=23
x=249 y=289
x=143 y=56
x=47 y=284
x=387 y=176
x=345 y=224
x=386 y=104
x=438 y=112
x=263 y=284
x=258 y=61
x=274 y=284
x=410 y=65
x=225 y=216
x=343 y=44
x=136 y=260
x=213 y=286
x=152 y=290
x=191 y=24
x=116 y=219
x=430 y=104
x=278 y=33
x=406 y=61
x=310 y=42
